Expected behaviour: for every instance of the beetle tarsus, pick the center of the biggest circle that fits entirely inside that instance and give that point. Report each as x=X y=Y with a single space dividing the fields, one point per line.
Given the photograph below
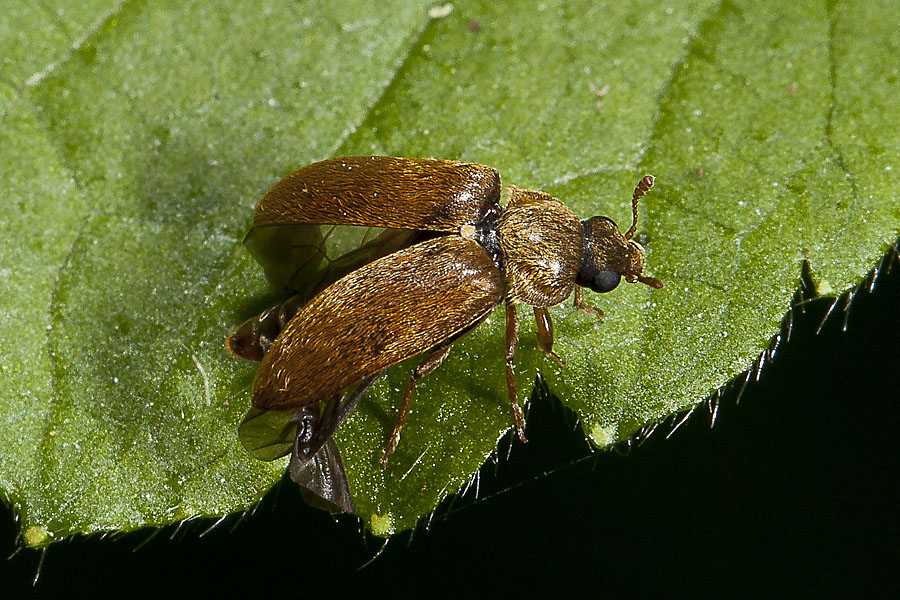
x=556 y=357
x=545 y=333
x=580 y=305
x=519 y=416
x=390 y=447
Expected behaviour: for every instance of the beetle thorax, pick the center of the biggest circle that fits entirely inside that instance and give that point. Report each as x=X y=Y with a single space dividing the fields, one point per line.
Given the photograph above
x=541 y=240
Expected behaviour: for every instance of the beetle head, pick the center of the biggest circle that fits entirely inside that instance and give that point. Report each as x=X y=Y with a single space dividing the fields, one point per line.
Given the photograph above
x=608 y=254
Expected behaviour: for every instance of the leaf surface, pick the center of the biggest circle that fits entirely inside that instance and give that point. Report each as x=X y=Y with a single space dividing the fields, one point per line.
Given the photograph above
x=137 y=139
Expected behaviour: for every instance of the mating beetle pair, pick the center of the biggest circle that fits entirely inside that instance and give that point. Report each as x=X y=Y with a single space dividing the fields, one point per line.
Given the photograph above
x=320 y=357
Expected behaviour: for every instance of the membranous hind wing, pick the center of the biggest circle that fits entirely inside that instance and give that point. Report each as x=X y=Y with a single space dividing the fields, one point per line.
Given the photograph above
x=379 y=315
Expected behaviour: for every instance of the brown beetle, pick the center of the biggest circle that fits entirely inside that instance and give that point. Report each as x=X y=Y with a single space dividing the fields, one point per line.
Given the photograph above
x=422 y=297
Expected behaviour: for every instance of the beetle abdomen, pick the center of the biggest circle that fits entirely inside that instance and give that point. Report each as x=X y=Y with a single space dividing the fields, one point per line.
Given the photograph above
x=253 y=338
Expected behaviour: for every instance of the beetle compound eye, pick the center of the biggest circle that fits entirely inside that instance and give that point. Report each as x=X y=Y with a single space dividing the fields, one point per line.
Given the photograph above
x=606 y=281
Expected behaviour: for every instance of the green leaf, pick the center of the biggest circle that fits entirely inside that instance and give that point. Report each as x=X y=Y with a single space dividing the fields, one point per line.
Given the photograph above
x=137 y=139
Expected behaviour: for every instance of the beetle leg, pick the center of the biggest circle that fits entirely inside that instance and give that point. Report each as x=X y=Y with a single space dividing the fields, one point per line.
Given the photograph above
x=545 y=332
x=431 y=362
x=580 y=305
x=512 y=342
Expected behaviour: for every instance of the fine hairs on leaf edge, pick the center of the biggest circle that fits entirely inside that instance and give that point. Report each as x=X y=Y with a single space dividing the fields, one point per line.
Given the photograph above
x=804 y=297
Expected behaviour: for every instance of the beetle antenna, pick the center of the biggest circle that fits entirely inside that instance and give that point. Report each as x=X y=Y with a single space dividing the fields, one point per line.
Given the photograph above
x=640 y=189
x=651 y=281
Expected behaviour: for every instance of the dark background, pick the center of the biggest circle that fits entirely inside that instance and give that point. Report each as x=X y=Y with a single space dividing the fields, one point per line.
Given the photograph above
x=791 y=491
